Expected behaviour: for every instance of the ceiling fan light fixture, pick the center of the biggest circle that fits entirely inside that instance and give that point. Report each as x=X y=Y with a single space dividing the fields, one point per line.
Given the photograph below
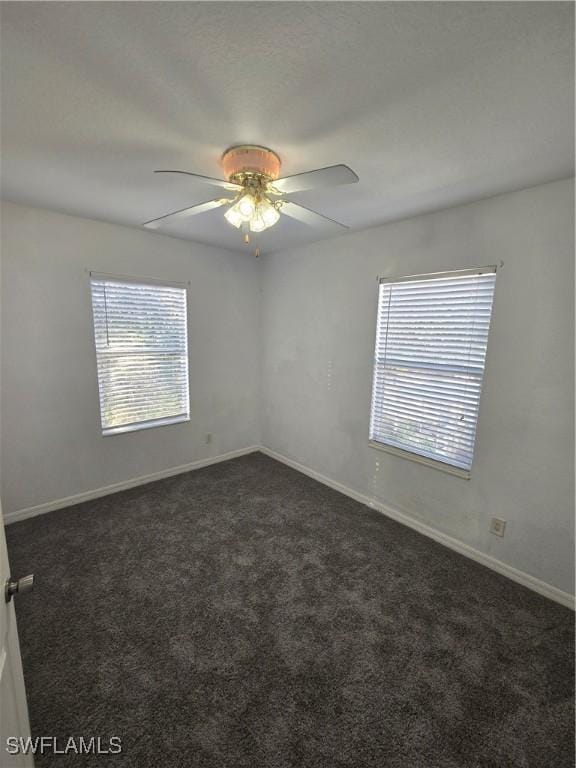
x=255 y=210
x=253 y=176
x=252 y=167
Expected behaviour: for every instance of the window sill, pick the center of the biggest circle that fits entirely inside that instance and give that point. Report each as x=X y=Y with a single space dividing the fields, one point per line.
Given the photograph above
x=145 y=425
x=456 y=471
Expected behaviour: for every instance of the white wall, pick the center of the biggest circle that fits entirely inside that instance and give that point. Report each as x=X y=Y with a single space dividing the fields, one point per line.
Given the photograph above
x=52 y=445
x=301 y=357
x=318 y=320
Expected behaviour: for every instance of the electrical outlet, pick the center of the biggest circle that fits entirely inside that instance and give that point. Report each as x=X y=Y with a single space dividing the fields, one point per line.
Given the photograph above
x=208 y=438
x=497 y=526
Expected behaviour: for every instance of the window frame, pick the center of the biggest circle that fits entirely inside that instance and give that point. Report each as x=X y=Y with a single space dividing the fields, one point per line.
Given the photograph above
x=150 y=423
x=401 y=452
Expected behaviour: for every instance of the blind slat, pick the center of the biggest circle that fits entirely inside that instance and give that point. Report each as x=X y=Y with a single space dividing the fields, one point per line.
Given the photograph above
x=140 y=333
x=429 y=361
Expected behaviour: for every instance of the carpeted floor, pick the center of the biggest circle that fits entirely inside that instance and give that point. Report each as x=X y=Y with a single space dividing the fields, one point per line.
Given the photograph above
x=246 y=616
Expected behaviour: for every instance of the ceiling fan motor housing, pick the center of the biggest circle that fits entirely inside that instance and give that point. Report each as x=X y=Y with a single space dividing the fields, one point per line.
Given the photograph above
x=250 y=159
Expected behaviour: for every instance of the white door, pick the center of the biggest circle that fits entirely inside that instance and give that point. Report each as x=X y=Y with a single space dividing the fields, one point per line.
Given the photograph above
x=13 y=710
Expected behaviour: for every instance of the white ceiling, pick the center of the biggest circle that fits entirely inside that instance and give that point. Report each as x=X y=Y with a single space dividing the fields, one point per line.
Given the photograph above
x=432 y=104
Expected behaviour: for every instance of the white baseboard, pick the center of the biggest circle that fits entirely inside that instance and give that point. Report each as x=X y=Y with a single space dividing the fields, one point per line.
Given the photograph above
x=69 y=501
x=564 y=598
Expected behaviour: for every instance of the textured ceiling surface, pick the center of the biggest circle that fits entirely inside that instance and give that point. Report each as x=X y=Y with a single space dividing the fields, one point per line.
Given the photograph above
x=432 y=104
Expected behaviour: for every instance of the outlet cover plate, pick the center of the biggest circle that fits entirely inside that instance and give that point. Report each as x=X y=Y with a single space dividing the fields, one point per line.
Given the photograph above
x=497 y=526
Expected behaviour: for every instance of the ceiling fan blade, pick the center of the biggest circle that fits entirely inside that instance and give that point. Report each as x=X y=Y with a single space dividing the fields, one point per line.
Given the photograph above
x=313 y=219
x=331 y=176
x=184 y=213
x=208 y=180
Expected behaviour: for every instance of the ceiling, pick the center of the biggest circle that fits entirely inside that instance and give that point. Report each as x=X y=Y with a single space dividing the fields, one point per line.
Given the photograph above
x=432 y=104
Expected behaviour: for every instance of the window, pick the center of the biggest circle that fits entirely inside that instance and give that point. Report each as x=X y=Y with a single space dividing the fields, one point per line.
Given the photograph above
x=142 y=353
x=429 y=363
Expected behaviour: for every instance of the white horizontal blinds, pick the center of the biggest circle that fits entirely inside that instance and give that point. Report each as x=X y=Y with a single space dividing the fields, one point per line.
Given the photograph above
x=429 y=363
x=141 y=348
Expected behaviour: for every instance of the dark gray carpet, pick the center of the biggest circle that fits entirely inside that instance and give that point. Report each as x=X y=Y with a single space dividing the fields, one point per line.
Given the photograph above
x=246 y=616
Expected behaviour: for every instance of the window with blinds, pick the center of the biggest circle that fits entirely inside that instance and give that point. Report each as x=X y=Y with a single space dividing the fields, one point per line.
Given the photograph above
x=429 y=364
x=140 y=331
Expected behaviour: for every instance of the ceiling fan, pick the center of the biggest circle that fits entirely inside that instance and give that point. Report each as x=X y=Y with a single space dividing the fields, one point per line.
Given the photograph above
x=257 y=196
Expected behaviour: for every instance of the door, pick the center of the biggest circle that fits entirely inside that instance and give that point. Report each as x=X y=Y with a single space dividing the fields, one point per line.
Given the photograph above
x=13 y=710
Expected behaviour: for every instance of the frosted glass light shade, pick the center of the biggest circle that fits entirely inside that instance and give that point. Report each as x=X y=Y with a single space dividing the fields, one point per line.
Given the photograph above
x=246 y=207
x=270 y=215
x=233 y=216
